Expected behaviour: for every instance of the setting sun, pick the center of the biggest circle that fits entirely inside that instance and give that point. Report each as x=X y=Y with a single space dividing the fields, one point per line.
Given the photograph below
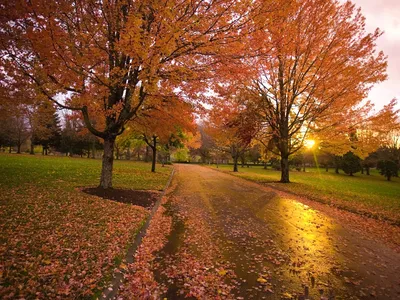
x=309 y=143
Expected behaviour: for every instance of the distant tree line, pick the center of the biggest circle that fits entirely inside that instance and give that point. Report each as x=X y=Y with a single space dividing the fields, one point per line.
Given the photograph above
x=25 y=127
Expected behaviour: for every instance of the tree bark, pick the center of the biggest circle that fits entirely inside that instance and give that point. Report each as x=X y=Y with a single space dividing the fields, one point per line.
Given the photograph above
x=128 y=153
x=285 y=169
x=235 y=164
x=94 y=149
x=146 y=157
x=154 y=156
x=117 y=153
x=32 y=152
x=107 y=163
x=367 y=169
x=19 y=148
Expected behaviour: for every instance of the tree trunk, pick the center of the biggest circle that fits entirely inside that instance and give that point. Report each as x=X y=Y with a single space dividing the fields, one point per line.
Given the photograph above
x=117 y=153
x=285 y=169
x=242 y=160
x=362 y=170
x=32 y=149
x=9 y=150
x=389 y=177
x=146 y=157
x=337 y=169
x=265 y=166
x=327 y=169
x=94 y=149
x=128 y=153
x=19 y=148
x=107 y=164
x=235 y=164
x=154 y=157
x=367 y=169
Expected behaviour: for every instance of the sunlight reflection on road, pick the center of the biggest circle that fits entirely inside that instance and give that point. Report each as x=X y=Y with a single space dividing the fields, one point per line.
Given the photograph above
x=306 y=236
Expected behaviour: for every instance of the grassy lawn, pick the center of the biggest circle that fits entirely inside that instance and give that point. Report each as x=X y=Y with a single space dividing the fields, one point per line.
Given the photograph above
x=371 y=195
x=57 y=242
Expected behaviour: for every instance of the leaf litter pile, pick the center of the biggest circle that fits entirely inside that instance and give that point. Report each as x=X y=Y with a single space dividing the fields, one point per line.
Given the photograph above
x=58 y=244
x=56 y=241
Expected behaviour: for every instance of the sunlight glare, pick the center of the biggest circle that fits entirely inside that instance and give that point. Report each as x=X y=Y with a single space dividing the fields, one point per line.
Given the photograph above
x=309 y=143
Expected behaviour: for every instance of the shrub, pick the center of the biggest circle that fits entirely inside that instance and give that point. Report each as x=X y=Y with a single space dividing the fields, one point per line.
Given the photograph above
x=350 y=163
x=388 y=168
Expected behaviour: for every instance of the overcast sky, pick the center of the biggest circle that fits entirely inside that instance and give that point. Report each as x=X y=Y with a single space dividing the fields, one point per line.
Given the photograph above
x=385 y=14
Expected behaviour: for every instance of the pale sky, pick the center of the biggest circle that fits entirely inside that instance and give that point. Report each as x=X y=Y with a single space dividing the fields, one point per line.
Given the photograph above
x=385 y=14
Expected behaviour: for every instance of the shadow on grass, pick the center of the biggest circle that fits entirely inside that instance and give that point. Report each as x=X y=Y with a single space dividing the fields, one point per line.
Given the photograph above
x=141 y=198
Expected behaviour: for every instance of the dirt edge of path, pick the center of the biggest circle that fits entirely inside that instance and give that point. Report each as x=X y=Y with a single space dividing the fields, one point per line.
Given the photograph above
x=111 y=290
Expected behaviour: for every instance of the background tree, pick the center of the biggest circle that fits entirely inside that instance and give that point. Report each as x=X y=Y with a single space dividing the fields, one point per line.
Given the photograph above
x=316 y=61
x=232 y=126
x=46 y=124
x=351 y=163
x=388 y=168
x=164 y=125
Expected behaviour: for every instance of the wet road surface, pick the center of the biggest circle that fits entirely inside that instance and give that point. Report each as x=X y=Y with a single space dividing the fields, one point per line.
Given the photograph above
x=266 y=245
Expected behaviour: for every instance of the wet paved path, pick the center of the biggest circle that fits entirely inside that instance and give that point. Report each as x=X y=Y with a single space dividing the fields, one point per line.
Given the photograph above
x=274 y=246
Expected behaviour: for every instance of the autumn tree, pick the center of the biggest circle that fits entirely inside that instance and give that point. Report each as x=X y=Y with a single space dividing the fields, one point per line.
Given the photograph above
x=14 y=129
x=112 y=60
x=164 y=125
x=46 y=129
x=386 y=125
x=232 y=126
x=315 y=61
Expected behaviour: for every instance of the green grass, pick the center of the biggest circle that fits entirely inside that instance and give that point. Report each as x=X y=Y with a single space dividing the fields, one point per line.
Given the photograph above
x=57 y=242
x=370 y=195
x=69 y=172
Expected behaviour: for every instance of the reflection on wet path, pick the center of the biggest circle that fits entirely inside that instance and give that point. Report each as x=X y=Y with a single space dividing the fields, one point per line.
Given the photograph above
x=278 y=247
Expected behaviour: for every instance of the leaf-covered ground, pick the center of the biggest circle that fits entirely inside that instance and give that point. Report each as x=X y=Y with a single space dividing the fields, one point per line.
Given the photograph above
x=368 y=195
x=57 y=242
x=220 y=237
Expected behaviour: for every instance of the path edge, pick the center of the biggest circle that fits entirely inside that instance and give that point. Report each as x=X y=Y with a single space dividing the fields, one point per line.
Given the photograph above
x=108 y=293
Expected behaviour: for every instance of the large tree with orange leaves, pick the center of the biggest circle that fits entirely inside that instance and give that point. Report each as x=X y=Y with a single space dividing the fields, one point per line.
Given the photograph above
x=115 y=59
x=315 y=61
